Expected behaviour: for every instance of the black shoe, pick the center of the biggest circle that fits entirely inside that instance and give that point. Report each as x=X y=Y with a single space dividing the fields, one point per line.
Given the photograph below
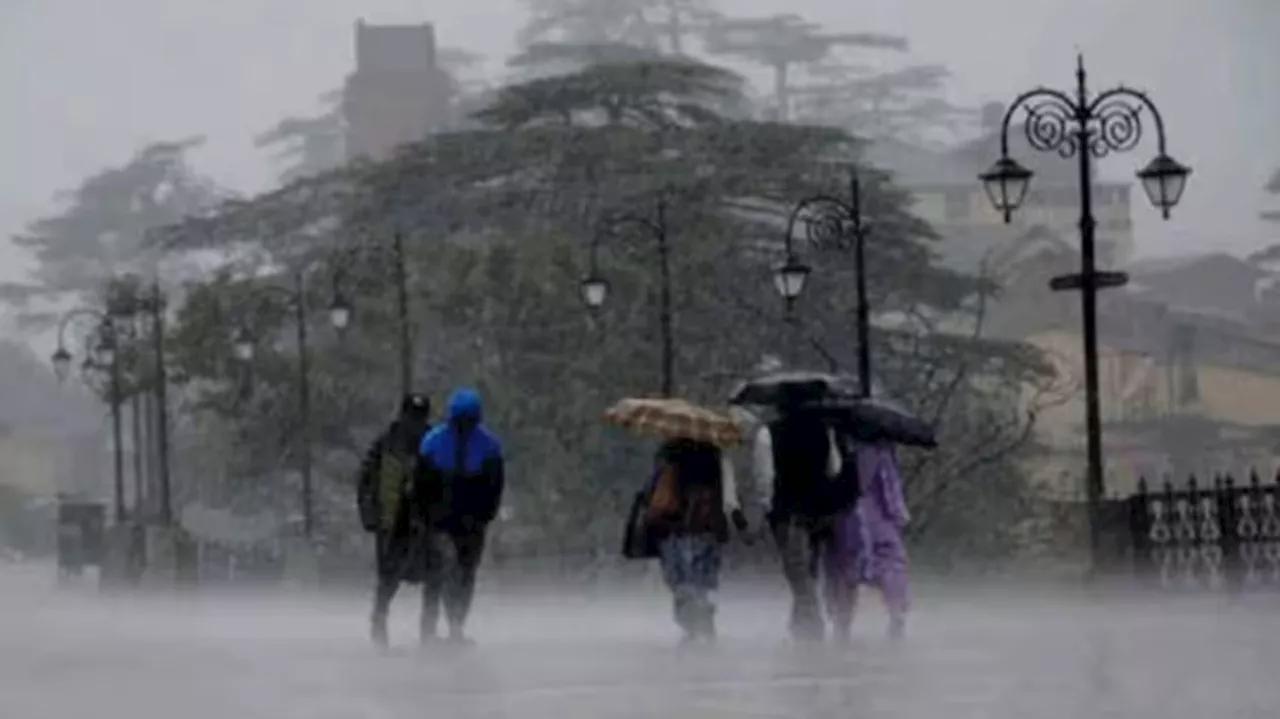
x=897 y=629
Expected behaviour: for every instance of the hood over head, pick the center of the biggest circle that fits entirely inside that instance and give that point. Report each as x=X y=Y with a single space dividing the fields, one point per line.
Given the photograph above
x=464 y=405
x=415 y=406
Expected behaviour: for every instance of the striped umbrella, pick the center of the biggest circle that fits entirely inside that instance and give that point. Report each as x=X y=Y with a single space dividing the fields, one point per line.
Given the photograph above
x=674 y=419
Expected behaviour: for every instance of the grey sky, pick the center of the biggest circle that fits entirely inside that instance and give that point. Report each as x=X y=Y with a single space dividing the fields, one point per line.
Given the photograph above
x=87 y=82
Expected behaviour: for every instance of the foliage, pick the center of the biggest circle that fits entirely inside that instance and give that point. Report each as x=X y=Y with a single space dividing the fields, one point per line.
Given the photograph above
x=1273 y=187
x=904 y=104
x=100 y=230
x=309 y=145
x=502 y=223
x=785 y=42
x=657 y=91
x=664 y=25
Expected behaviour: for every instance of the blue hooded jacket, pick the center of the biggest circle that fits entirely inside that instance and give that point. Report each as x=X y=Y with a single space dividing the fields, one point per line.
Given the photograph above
x=460 y=468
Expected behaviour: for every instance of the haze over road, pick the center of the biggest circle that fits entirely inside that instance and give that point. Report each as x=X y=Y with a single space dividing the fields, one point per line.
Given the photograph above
x=76 y=654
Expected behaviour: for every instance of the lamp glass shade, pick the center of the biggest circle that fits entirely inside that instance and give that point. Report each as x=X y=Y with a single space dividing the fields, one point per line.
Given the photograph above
x=242 y=345
x=1006 y=185
x=790 y=279
x=1164 y=179
x=595 y=290
x=61 y=360
x=340 y=313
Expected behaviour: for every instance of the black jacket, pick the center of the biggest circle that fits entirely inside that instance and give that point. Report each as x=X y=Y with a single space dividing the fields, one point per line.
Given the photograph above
x=375 y=483
x=801 y=449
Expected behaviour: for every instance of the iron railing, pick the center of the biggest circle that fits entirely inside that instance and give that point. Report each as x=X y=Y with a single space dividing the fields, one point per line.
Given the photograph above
x=1217 y=535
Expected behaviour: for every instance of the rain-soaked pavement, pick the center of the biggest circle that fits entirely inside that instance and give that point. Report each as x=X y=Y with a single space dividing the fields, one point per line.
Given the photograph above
x=985 y=654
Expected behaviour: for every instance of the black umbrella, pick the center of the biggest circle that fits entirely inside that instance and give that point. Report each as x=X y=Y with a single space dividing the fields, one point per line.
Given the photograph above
x=875 y=420
x=791 y=388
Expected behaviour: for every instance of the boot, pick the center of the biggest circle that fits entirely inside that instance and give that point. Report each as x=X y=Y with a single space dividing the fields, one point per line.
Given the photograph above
x=378 y=631
x=427 y=632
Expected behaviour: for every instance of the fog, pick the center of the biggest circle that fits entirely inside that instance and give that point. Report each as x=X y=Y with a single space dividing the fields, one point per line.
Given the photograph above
x=88 y=84
x=144 y=70
x=984 y=651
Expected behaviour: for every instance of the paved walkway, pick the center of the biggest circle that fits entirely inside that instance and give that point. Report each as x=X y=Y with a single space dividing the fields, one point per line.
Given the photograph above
x=76 y=655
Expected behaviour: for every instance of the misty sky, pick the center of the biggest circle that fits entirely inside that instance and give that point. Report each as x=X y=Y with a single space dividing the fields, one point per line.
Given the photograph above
x=87 y=82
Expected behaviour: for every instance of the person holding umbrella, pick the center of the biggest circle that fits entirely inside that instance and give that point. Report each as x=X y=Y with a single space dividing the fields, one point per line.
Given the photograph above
x=689 y=504
x=797 y=461
x=866 y=546
x=842 y=516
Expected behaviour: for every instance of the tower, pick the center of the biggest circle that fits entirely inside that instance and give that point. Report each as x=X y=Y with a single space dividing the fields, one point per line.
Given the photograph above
x=397 y=93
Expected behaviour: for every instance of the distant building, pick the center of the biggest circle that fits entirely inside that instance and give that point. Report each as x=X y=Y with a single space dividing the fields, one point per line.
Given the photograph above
x=398 y=93
x=947 y=193
x=1189 y=365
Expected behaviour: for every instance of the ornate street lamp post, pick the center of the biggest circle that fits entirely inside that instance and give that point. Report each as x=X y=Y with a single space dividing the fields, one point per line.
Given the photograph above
x=1086 y=127
x=595 y=288
x=830 y=220
x=106 y=356
x=341 y=309
x=244 y=347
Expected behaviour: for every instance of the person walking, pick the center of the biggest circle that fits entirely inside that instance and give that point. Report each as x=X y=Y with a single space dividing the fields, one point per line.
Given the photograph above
x=694 y=498
x=867 y=547
x=459 y=484
x=796 y=458
x=382 y=489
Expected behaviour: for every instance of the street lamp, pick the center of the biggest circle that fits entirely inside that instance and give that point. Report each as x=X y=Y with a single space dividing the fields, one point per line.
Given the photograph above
x=61 y=364
x=1086 y=127
x=1164 y=180
x=790 y=277
x=339 y=312
x=595 y=289
x=244 y=348
x=1006 y=185
x=340 y=309
x=829 y=220
x=242 y=345
x=107 y=358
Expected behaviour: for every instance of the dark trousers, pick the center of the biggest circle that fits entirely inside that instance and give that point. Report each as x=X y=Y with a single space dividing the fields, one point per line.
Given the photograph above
x=397 y=560
x=453 y=558
x=800 y=549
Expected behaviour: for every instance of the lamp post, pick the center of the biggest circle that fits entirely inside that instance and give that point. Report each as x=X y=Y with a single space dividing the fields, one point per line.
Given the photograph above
x=341 y=309
x=244 y=347
x=105 y=355
x=830 y=220
x=153 y=304
x=1086 y=127
x=595 y=288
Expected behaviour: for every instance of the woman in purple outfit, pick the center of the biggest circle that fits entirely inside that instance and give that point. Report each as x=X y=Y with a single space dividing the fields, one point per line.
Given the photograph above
x=866 y=545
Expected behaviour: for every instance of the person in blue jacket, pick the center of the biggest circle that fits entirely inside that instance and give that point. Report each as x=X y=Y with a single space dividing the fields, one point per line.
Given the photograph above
x=459 y=484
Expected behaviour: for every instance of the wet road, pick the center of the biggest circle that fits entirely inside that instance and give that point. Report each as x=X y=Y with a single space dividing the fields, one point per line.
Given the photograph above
x=74 y=654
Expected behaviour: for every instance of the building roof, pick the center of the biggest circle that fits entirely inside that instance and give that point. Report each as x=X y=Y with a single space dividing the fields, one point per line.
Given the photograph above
x=915 y=166
x=1176 y=263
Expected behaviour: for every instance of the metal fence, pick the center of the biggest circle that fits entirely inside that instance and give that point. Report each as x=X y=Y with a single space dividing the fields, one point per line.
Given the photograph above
x=1222 y=534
